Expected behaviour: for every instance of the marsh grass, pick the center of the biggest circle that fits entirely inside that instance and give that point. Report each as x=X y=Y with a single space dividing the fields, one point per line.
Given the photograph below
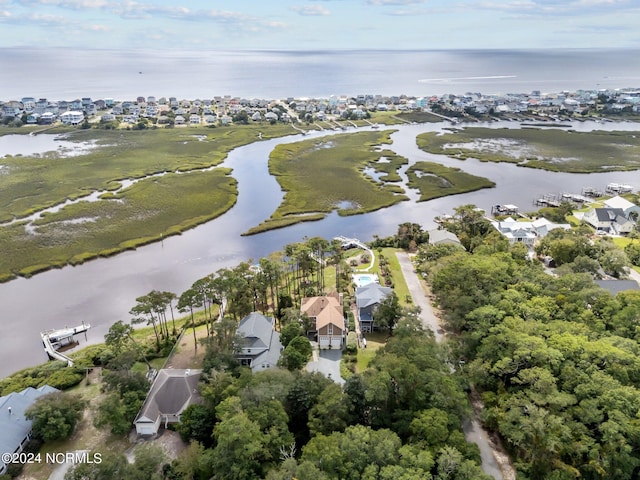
x=143 y=213
x=146 y=212
x=325 y=174
x=35 y=183
x=548 y=149
x=434 y=180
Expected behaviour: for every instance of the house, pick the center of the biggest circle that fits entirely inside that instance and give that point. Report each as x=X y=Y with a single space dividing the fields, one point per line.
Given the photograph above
x=72 y=117
x=609 y=220
x=630 y=210
x=328 y=319
x=15 y=428
x=171 y=393
x=260 y=346
x=443 y=237
x=516 y=232
x=368 y=298
x=542 y=226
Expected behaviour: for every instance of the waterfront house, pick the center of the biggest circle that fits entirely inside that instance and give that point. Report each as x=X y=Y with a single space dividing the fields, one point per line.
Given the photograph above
x=259 y=346
x=72 y=117
x=368 y=298
x=328 y=319
x=609 y=220
x=171 y=393
x=630 y=210
x=443 y=237
x=15 y=428
x=516 y=232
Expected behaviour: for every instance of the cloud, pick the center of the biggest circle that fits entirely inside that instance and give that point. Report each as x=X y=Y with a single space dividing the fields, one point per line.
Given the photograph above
x=394 y=2
x=557 y=7
x=312 y=11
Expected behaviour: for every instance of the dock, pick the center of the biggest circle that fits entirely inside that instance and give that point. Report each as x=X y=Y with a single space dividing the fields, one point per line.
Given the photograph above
x=55 y=340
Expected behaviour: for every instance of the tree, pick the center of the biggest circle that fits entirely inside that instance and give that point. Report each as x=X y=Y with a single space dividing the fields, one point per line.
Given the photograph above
x=331 y=414
x=297 y=354
x=290 y=331
x=186 y=303
x=196 y=423
x=239 y=444
x=55 y=415
x=388 y=313
x=111 y=466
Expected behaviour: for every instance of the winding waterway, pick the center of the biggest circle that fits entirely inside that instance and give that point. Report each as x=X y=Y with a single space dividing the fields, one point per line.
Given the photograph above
x=102 y=291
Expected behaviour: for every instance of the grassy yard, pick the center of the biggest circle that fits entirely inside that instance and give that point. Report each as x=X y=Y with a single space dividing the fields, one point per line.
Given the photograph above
x=549 y=149
x=399 y=284
x=375 y=341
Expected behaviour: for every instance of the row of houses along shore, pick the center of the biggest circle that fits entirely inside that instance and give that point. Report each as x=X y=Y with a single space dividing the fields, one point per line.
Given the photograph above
x=227 y=109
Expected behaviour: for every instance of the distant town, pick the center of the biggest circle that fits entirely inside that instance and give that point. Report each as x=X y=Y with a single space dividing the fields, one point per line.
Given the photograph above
x=225 y=110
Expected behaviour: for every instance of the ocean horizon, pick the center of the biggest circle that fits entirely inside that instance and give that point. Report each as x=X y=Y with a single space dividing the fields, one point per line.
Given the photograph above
x=68 y=73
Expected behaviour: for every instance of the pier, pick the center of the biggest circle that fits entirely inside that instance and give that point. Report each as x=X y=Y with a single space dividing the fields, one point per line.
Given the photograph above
x=54 y=340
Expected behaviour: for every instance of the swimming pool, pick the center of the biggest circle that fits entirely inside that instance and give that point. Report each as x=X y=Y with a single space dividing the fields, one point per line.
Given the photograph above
x=362 y=279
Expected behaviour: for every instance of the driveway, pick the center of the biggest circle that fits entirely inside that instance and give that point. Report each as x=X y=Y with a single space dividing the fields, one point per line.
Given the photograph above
x=428 y=318
x=327 y=362
x=472 y=429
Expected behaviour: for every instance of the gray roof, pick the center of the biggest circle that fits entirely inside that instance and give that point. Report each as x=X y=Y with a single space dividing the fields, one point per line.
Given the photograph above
x=256 y=329
x=609 y=214
x=442 y=236
x=617 y=286
x=260 y=341
x=371 y=294
x=172 y=391
x=13 y=425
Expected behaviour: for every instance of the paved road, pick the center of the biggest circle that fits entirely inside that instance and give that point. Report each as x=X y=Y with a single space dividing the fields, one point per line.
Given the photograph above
x=429 y=320
x=472 y=429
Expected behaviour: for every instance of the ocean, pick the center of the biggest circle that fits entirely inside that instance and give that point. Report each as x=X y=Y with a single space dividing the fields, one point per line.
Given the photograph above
x=66 y=74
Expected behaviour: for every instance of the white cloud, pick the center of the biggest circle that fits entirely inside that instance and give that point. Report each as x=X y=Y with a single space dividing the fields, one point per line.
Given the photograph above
x=394 y=2
x=312 y=10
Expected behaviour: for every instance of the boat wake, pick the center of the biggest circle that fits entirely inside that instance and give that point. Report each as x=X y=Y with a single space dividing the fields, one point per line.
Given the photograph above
x=464 y=79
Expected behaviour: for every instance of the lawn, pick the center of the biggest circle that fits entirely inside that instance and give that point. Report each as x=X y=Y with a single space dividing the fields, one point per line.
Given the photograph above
x=548 y=149
x=375 y=341
x=399 y=285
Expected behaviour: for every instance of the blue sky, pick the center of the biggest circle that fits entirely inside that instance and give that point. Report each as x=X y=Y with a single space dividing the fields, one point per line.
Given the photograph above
x=320 y=24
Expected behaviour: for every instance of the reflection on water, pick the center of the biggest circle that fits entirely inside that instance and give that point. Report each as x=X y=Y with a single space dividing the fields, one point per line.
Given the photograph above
x=103 y=291
x=42 y=145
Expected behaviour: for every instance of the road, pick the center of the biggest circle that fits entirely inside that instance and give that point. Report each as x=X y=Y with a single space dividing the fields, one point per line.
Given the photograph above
x=472 y=429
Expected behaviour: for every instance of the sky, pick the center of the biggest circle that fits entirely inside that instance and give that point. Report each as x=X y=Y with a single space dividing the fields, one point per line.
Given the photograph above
x=320 y=24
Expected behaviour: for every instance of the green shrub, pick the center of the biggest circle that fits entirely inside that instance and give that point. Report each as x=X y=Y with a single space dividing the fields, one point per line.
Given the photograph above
x=352 y=343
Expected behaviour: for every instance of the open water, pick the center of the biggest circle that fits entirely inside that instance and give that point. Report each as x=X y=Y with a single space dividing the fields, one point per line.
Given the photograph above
x=102 y=291
x=66 y=74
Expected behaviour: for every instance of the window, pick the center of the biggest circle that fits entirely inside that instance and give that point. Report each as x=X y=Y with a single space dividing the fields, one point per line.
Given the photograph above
x=330 y=329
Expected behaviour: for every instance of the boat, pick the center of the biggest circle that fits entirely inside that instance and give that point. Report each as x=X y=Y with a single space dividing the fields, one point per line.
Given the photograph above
x=57 y=340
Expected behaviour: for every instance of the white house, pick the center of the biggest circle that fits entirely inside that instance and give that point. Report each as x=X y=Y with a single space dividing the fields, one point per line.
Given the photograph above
x=260 y=345
x=609 y=220
x=72 y=117
x=630 y=210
